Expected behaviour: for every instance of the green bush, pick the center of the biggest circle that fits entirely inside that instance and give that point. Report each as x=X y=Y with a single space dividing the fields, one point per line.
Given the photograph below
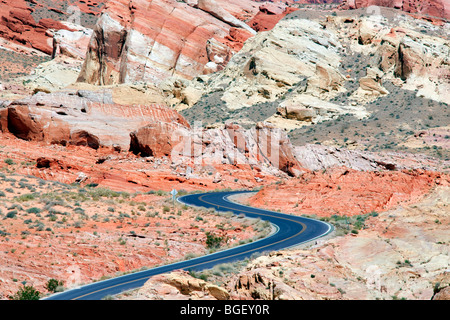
x=213 y=241
x=27 y=293
x=33 y=210
x=9 y=161
x=54 y=285
x=11 y=214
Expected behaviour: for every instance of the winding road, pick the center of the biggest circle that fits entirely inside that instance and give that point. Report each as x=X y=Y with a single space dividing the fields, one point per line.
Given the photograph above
x=290 y=231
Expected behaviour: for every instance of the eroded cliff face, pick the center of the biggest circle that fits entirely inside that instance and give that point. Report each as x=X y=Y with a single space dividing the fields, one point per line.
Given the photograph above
x=152 y=40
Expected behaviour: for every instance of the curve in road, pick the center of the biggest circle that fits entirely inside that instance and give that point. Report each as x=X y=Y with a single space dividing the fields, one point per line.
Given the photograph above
x=290 y=231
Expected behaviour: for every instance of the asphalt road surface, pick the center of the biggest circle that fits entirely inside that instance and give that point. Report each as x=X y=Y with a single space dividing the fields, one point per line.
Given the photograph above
x=290 y=231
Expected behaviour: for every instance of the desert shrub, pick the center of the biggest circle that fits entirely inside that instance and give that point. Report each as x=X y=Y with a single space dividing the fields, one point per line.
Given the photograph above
x=213 y=241
x=40 y=226
x=9 y=161
x=79 y=210
x=198 y=275
x=26 y=197
x=11 y=214
x=27 y=293
x=54 y=285
x=78 y=224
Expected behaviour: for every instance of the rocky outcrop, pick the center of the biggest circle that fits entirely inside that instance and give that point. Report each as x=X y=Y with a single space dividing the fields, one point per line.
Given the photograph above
x=275 y=147
x=315 y=70
x=316 y=157
x=268 y=16
x=295 y=54
x=70 y=118
x=421 y=61
x=155 y=139
x=18 y=24
x=308 y=108
x=152 y=40
x=263 y=146
x=346 y=191
x=73 y=43
x=28 y=23
x=443 y=294
x=92 y=119
x=433 y=8
x=216 y=10
x=180 y=285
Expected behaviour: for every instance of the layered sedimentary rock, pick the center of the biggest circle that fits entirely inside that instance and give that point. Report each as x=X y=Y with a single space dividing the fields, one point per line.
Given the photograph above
x=72 y=43
x=294 y=52
x=28 y=23
x=317 y=157
x=261 y=146
x=345 y=191
x=434 y=8
x=92 y=119
x=152 y=40
x=96 y=121
x=18 y=24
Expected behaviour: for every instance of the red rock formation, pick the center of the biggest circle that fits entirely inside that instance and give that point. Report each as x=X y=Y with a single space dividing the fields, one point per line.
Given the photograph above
x=65 y=119
x=275 y=147
x=19 y=23
x=154 y=139
x=268 y=16
x=344 y=191
x=433 y=8
x=262 y=145
x=151 y=40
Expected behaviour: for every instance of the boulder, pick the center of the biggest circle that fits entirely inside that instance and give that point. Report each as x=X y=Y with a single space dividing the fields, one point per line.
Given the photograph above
x=180 y=285
x=371 y=83
x=156 y=139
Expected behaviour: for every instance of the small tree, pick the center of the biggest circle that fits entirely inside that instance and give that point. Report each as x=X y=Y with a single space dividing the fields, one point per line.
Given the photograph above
x=27 y=293
x=54 y=285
